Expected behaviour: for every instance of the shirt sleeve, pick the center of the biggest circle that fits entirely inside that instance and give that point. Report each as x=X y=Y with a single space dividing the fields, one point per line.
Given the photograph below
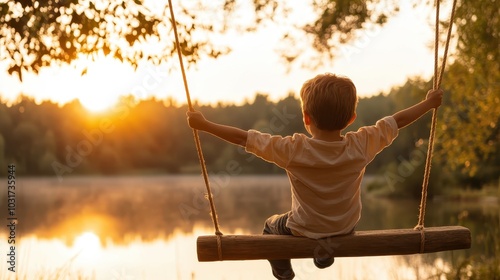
x=373 y=139
x=272 y=148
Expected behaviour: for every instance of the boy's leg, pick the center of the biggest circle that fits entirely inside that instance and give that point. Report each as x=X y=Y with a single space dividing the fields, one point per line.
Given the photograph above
x=282 y=269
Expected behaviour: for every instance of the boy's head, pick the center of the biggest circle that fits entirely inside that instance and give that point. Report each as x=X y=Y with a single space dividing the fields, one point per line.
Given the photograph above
x=329 y=101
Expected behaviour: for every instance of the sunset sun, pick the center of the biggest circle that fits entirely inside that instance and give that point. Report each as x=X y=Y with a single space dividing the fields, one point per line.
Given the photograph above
x=87 y=243
x=99 y=77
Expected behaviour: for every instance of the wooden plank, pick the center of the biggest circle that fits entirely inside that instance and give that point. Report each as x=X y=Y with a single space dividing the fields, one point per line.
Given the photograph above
x=360 y=243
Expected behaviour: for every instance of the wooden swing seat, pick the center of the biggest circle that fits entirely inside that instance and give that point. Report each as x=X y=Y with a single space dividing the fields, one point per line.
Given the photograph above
x=358 y=244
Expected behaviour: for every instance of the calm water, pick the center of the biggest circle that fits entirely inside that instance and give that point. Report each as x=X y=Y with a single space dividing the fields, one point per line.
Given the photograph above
x=146 y=228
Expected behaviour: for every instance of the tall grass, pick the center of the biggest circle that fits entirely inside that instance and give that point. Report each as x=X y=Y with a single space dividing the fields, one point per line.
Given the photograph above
x=64 y=272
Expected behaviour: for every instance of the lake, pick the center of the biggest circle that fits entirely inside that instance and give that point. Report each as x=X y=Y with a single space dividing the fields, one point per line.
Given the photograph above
x=145 y=227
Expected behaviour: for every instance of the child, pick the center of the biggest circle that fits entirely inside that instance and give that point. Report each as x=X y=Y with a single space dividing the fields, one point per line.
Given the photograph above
x=325 y=170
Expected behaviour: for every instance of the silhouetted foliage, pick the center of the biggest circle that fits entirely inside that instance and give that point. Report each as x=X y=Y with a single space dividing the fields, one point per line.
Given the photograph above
x=35 y=34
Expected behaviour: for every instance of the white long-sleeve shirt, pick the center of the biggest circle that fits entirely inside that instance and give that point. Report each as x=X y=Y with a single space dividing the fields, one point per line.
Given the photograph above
x=325 y=177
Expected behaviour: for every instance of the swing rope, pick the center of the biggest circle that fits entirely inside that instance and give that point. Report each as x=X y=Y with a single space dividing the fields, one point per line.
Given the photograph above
x=430 y=149
x=213 y=212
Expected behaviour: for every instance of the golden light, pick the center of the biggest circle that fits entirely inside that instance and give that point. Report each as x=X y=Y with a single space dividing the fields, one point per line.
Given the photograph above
x=100 y=86
x=96 y=103
x=87 y=244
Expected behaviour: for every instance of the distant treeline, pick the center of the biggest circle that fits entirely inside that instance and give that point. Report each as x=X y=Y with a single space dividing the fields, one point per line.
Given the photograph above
x=152 y=136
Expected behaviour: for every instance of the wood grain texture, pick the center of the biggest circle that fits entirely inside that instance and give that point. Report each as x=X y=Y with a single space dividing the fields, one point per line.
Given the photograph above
x=360 y=243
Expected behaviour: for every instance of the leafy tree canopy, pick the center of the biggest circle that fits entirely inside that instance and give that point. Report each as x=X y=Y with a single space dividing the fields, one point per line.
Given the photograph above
x=470 y=131
x=34 y=34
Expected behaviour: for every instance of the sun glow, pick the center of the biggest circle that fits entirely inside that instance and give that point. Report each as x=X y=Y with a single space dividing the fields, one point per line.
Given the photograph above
x=87 y=244
x=97 y=103
x=100 y=76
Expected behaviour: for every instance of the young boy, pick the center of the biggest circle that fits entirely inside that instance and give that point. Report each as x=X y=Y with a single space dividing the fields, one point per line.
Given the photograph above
x=325 y=170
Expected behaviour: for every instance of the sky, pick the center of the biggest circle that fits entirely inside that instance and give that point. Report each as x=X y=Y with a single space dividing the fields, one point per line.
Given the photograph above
x=381 y=59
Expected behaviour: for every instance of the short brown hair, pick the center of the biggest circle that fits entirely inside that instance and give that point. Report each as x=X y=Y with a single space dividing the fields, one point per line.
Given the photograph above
x=329 y=100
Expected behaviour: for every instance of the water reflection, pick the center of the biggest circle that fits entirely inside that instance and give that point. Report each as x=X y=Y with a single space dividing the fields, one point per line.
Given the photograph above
x=125 y=208
x=146 y=228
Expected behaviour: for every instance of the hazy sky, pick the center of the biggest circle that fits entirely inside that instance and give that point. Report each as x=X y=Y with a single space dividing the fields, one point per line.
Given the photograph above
x=382 y=58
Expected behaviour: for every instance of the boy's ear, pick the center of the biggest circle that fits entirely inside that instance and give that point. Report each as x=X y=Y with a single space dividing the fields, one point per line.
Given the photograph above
x=306 y=118
x=353 y=118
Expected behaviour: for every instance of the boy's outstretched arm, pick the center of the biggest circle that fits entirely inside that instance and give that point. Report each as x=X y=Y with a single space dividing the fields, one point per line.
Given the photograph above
x=413 y=113
x=234 y=135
